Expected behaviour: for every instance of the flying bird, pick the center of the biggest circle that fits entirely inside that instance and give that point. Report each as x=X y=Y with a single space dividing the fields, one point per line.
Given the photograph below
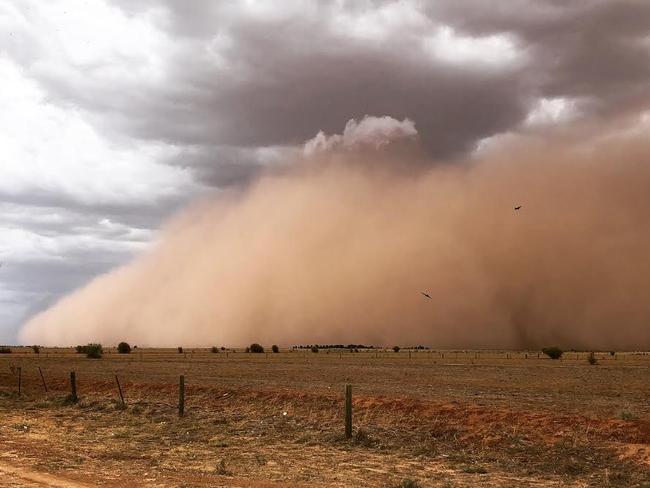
x=426 y=295
x=517 y=207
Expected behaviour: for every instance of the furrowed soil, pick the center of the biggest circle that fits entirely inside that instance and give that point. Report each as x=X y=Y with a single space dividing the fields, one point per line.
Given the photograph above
x=448 y=419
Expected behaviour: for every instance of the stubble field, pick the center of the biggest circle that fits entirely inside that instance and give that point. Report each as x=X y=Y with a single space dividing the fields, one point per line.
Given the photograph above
x=428 y=418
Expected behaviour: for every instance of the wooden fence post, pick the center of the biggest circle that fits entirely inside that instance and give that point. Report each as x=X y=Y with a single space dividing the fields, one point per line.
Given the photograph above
x=20 y=378
x=348 y=411
x=181 y=396
x=43 y=379
x=73 y=387
x=119 y=388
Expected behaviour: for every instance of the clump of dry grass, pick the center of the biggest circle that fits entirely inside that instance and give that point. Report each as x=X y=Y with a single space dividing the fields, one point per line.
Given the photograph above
x=407 y=483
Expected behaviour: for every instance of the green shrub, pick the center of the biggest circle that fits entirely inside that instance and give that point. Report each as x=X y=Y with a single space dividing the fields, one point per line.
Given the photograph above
x=123 y=348
x=5 y=350
x=592 y=358
x=553 y=352
x=627 y=415
x=180 y=350
x=612 y=353
x=36 y=349
x=256 y=348
x=93 y=351
x=314 y=348
x=396 y=348
x=214 y=349
x=275 y=348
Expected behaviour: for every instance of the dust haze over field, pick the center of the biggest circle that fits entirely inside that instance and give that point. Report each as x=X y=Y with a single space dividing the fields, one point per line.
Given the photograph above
x=337 y=243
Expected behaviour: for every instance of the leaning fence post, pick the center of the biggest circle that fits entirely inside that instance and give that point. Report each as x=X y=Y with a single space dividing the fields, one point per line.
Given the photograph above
x=20 y=374
x=348 y=411
x=42 y=378
x=73 y=387
x=181 y=396
x=119 y=388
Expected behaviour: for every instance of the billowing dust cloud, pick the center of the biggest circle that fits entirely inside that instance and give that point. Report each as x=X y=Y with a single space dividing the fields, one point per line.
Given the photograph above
x=338 y=246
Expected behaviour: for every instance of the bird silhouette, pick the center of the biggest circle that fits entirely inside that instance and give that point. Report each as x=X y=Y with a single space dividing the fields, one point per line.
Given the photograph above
x=517 y=207
x=426 y=295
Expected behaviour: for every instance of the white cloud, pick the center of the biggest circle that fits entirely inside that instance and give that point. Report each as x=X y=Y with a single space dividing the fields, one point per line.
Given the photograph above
x=552 y=110
x=88 y=38
x=371 y=131
x=48 y=149
x=448 y=46
x=397 y=18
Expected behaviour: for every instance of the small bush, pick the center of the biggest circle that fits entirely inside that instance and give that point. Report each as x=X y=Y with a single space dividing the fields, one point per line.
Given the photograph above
x=93 y=351
x=36 y=349
x=408 y=483
x=627 y=415
x=180 y=350
x=123 y=348
x=396 y=348
x=591 y=359
x=223 y=348
x=612 y=353
x=5 y=350
x=275 y=348
x=553 y=352
x=214 y=349
x=256 y=348
x=221 y=468
x=314 y=348
x=362 y=438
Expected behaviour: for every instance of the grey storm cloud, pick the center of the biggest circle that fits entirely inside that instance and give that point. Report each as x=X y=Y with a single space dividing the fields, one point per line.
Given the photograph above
x=246 y=80
x=595 y=49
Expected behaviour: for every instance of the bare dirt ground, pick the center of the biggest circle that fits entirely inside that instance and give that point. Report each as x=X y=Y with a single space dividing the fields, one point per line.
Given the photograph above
x=452 y=419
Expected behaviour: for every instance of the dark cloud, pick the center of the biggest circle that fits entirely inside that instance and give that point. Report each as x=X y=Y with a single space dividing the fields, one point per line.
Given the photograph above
x=593 y=49
x=281 y=78
x=242 y=78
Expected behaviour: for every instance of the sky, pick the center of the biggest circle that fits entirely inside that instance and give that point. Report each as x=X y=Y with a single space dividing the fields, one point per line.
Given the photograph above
x=116 y=114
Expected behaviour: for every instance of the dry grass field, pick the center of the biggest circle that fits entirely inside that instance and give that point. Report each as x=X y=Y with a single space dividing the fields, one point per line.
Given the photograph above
x=449 y=419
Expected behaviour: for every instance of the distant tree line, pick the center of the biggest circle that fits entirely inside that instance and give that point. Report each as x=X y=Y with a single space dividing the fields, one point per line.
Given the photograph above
x=333 y=346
